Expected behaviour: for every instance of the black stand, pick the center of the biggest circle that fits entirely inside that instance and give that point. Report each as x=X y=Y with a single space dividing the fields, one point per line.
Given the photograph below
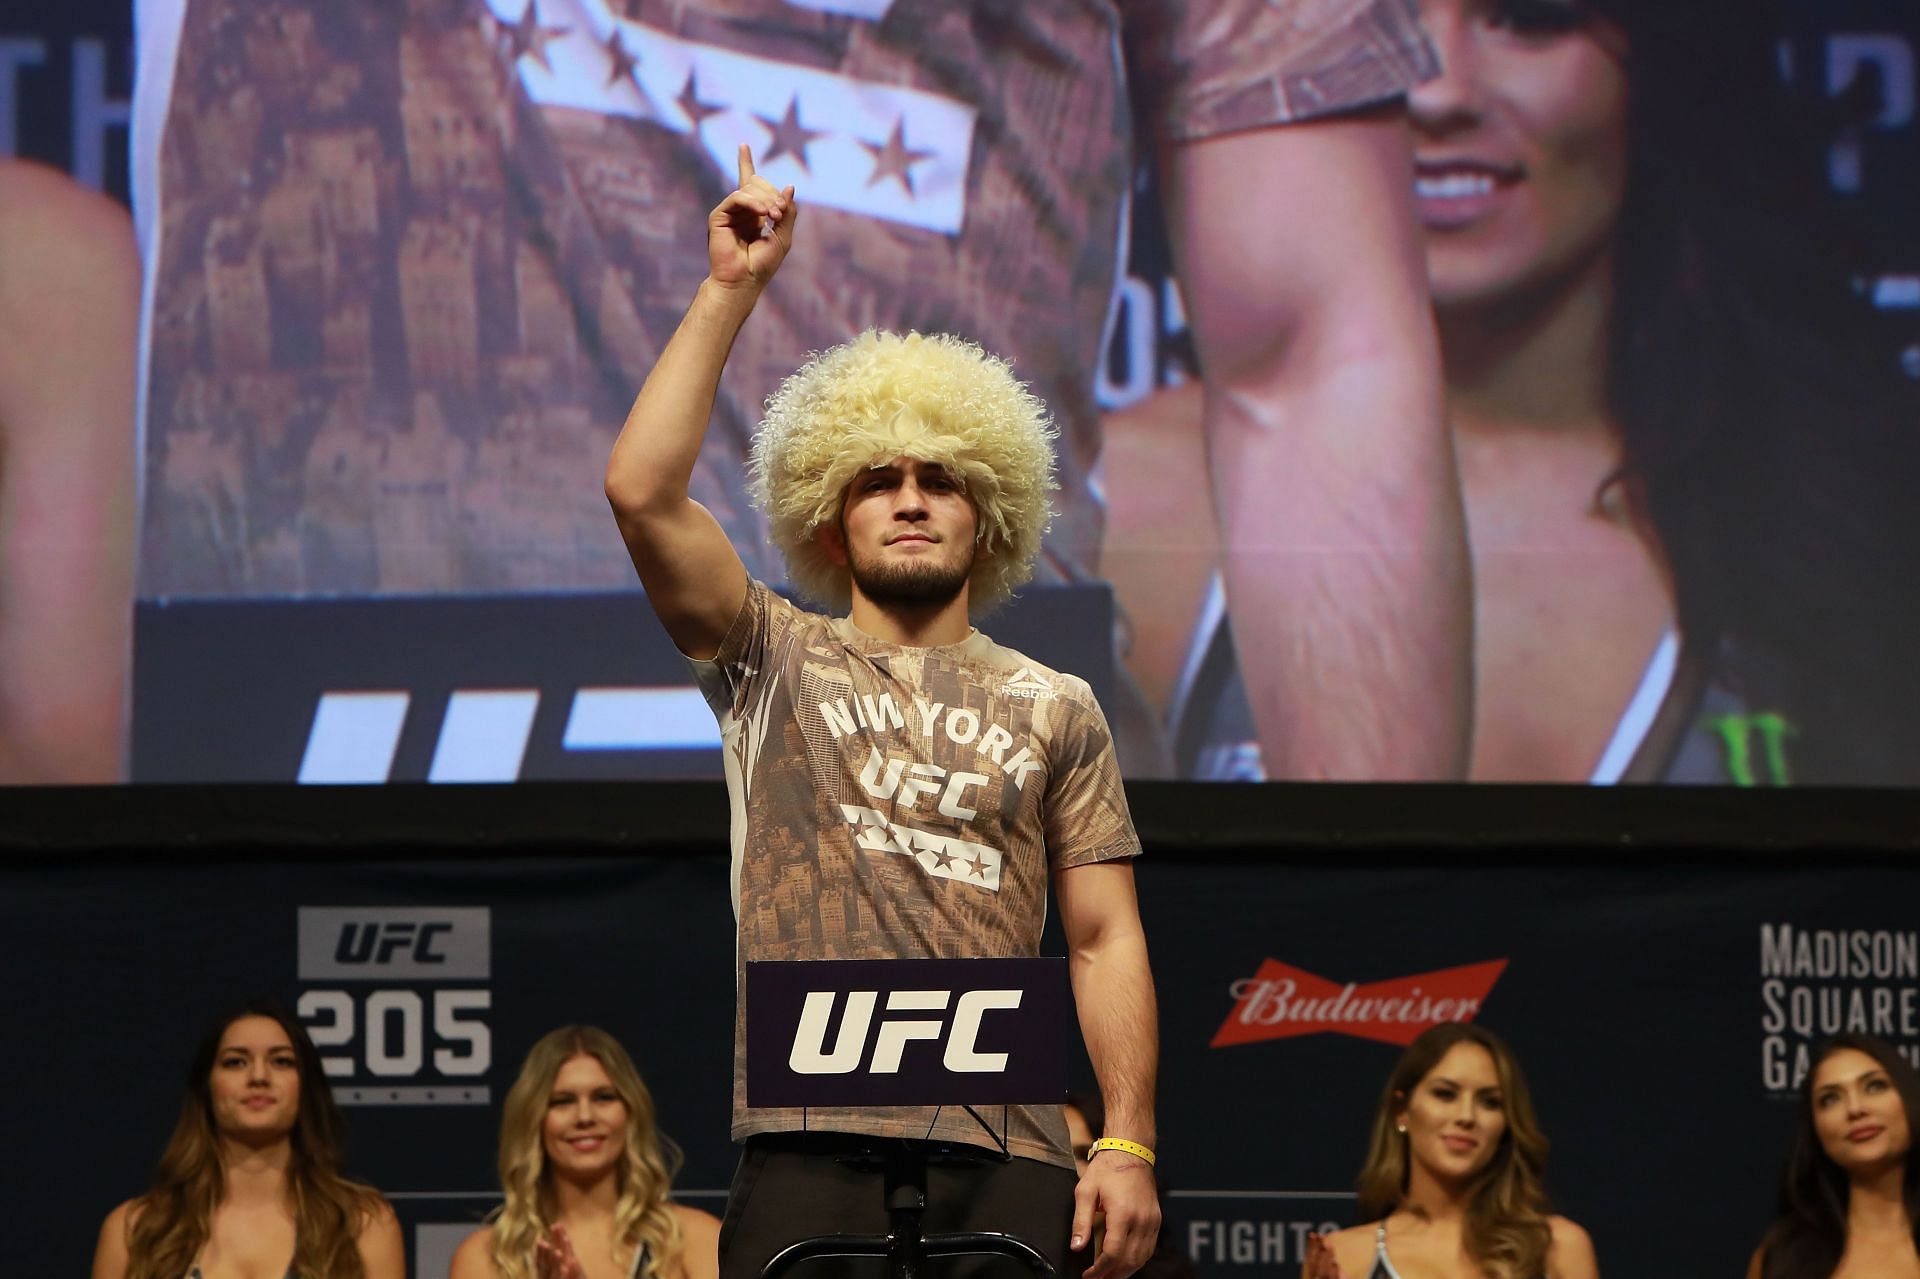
x=904 y=1247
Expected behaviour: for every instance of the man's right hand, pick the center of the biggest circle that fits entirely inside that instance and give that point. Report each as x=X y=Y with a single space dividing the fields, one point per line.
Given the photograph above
x=749 y=232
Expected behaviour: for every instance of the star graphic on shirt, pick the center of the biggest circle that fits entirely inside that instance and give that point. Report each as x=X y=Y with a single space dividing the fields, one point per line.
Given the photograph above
x=942 y=859
x=790 y=137
x=978 y=865
x=689 y=102
x=894 y=158
x=529 y=38
x=623 y=62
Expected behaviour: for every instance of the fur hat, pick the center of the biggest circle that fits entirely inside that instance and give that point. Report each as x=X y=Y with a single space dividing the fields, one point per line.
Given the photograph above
x=934 y=398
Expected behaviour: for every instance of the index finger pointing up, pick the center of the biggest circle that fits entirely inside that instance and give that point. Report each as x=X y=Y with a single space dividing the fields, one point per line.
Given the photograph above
x=746 y=163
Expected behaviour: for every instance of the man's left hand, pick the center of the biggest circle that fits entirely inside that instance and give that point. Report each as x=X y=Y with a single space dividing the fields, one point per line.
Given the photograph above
x=1120 y=1188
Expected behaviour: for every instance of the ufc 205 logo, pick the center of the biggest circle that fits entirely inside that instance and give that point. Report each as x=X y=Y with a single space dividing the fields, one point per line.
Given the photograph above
x=415 y=1037
x=961 y=1054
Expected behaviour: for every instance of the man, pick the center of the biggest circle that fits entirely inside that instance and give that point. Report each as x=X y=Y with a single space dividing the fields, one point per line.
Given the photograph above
x=908 y=478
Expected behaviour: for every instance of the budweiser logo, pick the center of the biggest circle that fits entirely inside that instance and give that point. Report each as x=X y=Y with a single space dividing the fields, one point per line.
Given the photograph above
x=1281 y=1001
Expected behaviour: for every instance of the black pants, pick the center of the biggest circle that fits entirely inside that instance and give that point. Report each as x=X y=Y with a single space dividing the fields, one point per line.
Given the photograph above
x=792 y=1186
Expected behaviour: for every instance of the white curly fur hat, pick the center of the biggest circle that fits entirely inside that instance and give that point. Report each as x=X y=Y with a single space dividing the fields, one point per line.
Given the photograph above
x=931 y=397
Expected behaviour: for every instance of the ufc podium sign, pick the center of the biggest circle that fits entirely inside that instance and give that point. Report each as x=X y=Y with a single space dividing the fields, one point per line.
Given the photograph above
x=906 y=1032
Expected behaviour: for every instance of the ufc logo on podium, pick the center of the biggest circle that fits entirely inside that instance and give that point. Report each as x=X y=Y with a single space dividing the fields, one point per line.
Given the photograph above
x=906 y=1032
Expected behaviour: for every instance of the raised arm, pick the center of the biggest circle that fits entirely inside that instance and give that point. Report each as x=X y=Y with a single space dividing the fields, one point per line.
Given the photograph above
x=1113 y=993
x=1333 y=475
x=693 y=576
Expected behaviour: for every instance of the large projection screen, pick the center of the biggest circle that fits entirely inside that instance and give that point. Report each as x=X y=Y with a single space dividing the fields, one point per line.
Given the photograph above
x=402 y=267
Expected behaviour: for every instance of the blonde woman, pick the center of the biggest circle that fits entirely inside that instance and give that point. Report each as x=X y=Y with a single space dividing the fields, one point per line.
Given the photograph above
x=250 y=1182
x=1452 y=1187
x=586 y=1176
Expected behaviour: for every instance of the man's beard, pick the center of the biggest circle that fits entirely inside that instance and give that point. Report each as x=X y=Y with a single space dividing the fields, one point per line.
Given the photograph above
x=913 y=584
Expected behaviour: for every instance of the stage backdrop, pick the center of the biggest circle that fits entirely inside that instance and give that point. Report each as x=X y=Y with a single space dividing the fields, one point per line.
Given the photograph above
x=1661 y=1005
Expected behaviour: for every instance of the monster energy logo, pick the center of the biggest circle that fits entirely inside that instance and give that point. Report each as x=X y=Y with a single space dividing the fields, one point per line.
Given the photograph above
x=1738 y=736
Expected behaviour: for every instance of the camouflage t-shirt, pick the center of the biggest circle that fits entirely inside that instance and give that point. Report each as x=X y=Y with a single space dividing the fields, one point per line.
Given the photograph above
x=412 y=260
x=902 y=803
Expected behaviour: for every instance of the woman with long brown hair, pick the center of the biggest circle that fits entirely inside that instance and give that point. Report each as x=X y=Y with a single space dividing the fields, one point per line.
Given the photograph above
x=1453 y=1180
x=1850 y=1195
x=1679 y=436
x=250 y=1182
x=586 y=1176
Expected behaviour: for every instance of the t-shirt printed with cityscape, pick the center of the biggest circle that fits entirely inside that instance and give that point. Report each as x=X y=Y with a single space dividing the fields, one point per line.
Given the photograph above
x=898 y=803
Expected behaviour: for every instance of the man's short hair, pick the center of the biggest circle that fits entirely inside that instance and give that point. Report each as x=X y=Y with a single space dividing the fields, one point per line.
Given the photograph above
x=931 y=397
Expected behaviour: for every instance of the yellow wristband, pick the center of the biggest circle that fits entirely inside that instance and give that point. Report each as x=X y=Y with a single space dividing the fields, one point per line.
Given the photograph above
x=1133 y=1148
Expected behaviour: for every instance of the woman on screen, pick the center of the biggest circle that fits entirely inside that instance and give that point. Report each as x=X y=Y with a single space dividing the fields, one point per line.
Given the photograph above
x=1453 y=1180
x=250 y=1182
x=586 y=1176
x=1850 y=1196
x=1684 y=450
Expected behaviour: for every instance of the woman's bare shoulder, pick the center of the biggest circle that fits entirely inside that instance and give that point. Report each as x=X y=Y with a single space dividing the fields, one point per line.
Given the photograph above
x=699 y=1242
x=694 y=1218
x=473 y=1259
x=69 y=280
x=110 y=1250
x=1353 y=1249
x=124 y=1218
x=1572 y=1254
x=44 y=209
x=383 y=1250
